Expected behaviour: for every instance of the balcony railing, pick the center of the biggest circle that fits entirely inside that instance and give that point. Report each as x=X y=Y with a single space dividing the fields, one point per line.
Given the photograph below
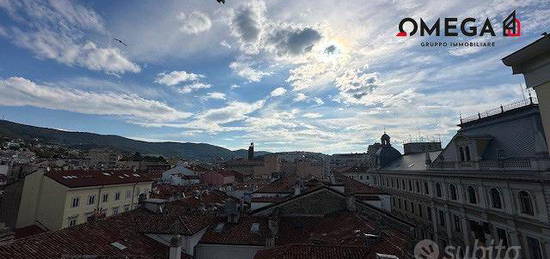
x=509 y=164
x=501 y=109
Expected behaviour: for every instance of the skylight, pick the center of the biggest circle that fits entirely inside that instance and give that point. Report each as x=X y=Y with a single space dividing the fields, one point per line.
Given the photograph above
x=118 y=245
x=255 y=227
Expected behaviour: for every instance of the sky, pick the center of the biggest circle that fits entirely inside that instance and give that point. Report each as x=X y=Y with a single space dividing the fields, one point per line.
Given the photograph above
x=323 y=76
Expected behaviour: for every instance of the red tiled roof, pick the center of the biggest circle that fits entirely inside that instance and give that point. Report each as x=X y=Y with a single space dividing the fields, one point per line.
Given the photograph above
x=88 y=239
x=352 y=186
x=283 y=185
x=28 y=231
x=268 y=199
x=238 y=234
x=94 y=238
x=306 y=251
x=83 y=178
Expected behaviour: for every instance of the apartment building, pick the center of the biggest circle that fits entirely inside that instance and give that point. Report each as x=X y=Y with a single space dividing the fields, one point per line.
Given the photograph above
x=60 y=199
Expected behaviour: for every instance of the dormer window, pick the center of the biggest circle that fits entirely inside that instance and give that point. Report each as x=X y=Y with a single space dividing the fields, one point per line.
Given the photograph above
x=461 y=150
x=467 y=151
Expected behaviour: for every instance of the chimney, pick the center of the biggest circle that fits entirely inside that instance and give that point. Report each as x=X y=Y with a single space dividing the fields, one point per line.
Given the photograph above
x=350 y=203
x=176 y=243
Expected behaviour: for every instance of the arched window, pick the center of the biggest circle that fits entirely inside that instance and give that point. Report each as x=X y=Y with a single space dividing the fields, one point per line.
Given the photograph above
x=496 y=202
x=526 y=203
x=438 y=189
x=461 y=153
x=472 y=197
x=452 y=192
x=467 y=153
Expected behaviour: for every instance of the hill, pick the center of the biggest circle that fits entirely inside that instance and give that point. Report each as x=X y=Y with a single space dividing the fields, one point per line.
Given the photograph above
x=85 y=140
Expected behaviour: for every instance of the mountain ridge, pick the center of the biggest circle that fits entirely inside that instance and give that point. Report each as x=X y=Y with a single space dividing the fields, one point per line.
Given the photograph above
x=88 y=140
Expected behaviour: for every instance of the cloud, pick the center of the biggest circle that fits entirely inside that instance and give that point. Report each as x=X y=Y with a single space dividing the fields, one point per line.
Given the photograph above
x=193 y=86
x=256 y=33
x=194 y=23
x=18 y=91
x=300 y=97
x=246 y=25
x=292 y=40
x=312 y=115
x=245 y=70
x=56 y=30
x=176 y=77
x=278 y=91
x=235 y=86
x=214 y=95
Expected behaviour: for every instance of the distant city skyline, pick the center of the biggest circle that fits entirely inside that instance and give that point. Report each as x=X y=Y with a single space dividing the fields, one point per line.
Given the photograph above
x=326 y=77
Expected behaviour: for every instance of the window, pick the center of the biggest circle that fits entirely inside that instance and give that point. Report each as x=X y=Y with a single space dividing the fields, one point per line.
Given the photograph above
x=438 y=189
x=399 y=203
x=468 y=153
x=495 y=198
x=426 y=188
x=128 y=194
x=410 y=186
x=361 y=177
x=420 y=210
x=526 y=203
x=406 y=205
x=458 y=227
x=412 y=207
x=429 y=213
x=115 y=210
x=105 y=197
x=403 y=184
x=472 y=196
x=72 y=220
x=441 y=218
x=417 y=186
x=452 y=192
x=91 y=200
x=126 y=208
x=117 y=196
x=502 y=237
x=76 y=200
x=461 y=150
x=534 y=248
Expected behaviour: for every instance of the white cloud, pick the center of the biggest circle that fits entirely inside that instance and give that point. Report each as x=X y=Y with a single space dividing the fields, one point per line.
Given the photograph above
x=245 y=70
x=235 y=86
x=176 y=77
x=54 y=31
x=18 y=91
x=278 y=91
x=193 y=86
x=194 y=23
x=312 y=115
x=214 y=95
x=300 y=97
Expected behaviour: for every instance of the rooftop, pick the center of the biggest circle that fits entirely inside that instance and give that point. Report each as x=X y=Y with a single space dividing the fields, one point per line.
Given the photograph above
x=497 y=111
x=84 y=178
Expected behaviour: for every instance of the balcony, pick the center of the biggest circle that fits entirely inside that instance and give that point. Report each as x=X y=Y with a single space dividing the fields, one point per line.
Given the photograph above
x=505 y=164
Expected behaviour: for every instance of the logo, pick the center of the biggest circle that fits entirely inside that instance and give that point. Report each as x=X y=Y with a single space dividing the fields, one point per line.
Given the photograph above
x=426 y=249
x=452 y=27
x=511 y=26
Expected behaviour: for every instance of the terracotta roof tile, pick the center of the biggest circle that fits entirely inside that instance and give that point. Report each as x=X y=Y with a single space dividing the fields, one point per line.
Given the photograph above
x=83 y=178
